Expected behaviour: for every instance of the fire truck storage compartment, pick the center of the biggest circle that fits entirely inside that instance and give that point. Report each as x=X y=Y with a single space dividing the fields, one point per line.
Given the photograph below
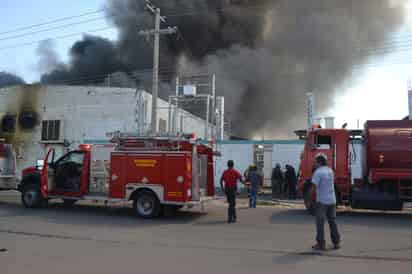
x=172 y=170
x=100 y=169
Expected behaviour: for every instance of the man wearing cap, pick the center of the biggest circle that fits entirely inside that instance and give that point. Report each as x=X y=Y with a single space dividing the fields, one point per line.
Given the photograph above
x=323 y=180
x=230 y=177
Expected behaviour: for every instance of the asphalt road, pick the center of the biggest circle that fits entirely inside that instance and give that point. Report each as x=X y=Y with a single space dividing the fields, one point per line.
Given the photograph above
x=94 y=239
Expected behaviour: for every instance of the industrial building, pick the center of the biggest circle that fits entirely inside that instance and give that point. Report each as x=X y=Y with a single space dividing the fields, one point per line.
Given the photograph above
x=35 y=117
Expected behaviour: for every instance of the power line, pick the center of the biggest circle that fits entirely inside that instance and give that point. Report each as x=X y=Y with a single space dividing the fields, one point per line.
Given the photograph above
x=52 y=28
x=52 y=21
x=55 y=38
x=253 y=7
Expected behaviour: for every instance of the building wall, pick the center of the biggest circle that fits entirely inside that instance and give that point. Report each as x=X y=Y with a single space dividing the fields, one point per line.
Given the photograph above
x=283 y=152
x=241 y=153
x=87 y=113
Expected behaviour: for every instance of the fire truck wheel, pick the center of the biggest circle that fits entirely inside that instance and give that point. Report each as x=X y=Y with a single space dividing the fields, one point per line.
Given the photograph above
x=31 y=196
x=146 y=205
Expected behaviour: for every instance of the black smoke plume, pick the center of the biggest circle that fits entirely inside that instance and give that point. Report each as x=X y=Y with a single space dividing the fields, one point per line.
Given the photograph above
x=8 y=79
x=267 y=54
x=91 y=59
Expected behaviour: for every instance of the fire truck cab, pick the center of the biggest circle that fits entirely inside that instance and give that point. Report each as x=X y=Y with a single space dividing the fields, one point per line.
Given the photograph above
x=334 y=143
x=154 y=173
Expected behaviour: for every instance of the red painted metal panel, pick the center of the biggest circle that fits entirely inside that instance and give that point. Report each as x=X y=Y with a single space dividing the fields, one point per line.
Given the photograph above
x=154 y=168
x=388 y=144
x=117 y=176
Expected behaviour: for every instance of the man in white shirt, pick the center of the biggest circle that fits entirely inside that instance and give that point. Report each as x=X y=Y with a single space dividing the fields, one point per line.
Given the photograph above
x=323 y=179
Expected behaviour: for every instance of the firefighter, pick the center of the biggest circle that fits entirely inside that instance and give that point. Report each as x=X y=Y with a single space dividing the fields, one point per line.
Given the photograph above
x=256 y=182
x=228 y=183
x=291 y=180
x=277 y=180
x=323 y=180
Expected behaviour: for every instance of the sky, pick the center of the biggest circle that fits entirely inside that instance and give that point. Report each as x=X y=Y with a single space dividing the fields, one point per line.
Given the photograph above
x=376 y=91
x=22 y=60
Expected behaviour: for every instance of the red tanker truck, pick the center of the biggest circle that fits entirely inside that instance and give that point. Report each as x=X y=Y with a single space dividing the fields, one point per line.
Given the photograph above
x=386 y=181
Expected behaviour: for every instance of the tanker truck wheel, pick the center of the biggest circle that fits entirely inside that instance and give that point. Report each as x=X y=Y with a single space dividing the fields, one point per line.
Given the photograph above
x=309 y=203
x=146 y=205
x=31 y=197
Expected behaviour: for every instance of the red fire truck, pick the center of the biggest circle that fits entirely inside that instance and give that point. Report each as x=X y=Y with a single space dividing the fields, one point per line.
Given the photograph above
x=386 y=181
x=154 y=173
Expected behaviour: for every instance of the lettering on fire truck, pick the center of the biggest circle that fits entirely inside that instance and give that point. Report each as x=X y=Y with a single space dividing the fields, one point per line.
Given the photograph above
x=145 y=163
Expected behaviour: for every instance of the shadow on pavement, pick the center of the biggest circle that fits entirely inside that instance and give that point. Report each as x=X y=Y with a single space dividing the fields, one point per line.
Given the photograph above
x=96 y=215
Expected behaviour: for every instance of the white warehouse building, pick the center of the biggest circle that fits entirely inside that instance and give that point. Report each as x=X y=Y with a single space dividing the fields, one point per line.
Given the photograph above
x=35 y=117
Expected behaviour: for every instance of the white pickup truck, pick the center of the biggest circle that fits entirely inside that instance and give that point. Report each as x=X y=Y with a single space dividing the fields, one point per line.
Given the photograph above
x=8 y=178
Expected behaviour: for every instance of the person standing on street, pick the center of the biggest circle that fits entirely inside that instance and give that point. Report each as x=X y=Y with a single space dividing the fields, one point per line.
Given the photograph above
x=228 y=183
x=323 y=180
x=256 y=181
x=291 y=181
x=277 y=180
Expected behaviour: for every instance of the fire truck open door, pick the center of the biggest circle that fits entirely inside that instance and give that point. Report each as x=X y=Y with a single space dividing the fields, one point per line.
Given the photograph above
x=45 y=180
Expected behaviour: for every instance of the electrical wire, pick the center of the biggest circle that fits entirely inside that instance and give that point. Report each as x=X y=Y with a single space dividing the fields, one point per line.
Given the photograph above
x=52 y=21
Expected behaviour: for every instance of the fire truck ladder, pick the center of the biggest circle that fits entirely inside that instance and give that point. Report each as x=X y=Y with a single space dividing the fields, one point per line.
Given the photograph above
x=133 y=141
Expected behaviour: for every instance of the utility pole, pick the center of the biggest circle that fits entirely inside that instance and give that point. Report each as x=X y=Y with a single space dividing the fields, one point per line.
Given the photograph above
x=156 y=32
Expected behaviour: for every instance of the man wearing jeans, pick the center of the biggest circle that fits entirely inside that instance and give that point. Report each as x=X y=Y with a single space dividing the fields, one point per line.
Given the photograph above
x=323 y=180
x=230 y=177
x=256 y=182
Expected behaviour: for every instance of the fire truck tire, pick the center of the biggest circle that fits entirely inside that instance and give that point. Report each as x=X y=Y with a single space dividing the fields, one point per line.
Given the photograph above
x=146 y=204
x=31 y=197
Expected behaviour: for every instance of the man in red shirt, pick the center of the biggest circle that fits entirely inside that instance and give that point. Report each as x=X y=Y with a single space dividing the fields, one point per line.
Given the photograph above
x=230 y=177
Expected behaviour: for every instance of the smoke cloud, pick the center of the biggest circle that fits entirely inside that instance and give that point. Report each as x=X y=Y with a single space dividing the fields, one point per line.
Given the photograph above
x=91 y=59
x=8 y=79
x=266 y=53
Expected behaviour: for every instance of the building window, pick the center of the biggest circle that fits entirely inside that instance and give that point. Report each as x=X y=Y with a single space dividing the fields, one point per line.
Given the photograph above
x=50 y=130
x=323 y=141
x=8 y=123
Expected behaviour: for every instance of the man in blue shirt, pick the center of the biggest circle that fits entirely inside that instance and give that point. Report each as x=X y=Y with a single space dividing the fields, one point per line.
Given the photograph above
x=323 y=179
x=255 y=180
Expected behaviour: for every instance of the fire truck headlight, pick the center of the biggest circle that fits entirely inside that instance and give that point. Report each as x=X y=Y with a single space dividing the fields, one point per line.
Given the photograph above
x=180 y=179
